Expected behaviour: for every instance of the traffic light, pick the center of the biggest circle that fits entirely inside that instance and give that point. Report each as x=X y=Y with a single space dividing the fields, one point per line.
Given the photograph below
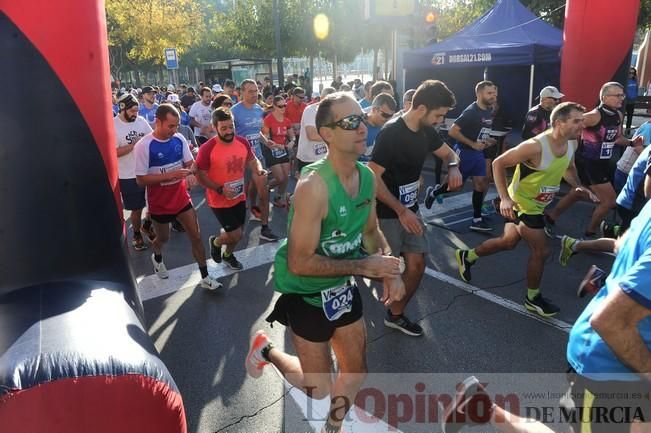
x=431 y=27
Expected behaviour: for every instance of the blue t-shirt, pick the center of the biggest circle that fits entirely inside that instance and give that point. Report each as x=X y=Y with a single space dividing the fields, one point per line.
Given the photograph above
x=248 y=123
x=185 y=119
x=586 y=351
x=373 y=131
x=364 y=103
x=475 y=124
x=631 y=91
x=148 y=114
x=116 y=109
x=635 y=178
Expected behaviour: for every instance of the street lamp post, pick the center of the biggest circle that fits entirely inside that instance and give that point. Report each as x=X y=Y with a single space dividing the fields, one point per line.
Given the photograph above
x=279 y=52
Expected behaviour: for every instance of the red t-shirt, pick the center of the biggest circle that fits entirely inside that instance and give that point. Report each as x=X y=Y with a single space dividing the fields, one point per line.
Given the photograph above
x=278 y=128
x=225 y=164
x=294 y=112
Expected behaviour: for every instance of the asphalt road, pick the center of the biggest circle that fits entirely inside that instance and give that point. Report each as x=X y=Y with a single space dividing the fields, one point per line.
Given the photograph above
x=478 y=328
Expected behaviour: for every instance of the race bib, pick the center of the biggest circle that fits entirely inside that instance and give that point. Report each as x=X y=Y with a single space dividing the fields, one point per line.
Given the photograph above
x=320 y=149
x=338 y=301
x=236 y=186
x=409 y=194
x=484 y=134
x=279 y=153
x=607 y=150
x=254 y=142
x=171 y=167
x=547 y=194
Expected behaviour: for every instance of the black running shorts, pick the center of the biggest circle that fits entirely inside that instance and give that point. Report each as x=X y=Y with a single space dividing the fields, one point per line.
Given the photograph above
x=532 y=221
x=168 y=218
x=231 y=218
x=271 y=159
x=593 y=172
x=309 y=322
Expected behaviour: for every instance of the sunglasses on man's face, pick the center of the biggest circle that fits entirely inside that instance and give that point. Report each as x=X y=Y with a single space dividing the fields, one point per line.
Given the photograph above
x=348 y=123
x=281 y=106
x=386 y=115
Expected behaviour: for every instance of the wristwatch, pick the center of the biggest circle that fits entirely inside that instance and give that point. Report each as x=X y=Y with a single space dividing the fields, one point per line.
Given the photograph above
x=453 y=164
x=220 y=190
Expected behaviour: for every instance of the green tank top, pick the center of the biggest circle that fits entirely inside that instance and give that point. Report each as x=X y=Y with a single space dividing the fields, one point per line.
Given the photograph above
x=341 y=233
x=533 y=188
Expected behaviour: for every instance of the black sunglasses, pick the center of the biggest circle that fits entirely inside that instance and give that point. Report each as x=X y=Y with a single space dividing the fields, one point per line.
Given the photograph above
x=348 y=123
x=386 y=115
x=281 y=106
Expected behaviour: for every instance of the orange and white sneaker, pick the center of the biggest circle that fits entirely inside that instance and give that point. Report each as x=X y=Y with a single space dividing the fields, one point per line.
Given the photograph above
x=255 y=362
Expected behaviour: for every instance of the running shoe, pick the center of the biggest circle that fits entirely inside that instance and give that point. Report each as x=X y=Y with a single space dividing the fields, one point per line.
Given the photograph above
x=138 y=242
x=486 y=209
x=256 y=213
x=255 y=362
x=147 y=229
x=549 y=226
x=403 y=324
x=609 y=230
x=592 y=282
x=267 y=235
x=470 y=395
x=232 y=262
x=480 y=226
x=567 y=251
x=210 y=283
x=215 y=252
x=279 y=202
x=177 y=227
x=159 y=268
x=541 y=306
x=464 y=264
x=431 y=194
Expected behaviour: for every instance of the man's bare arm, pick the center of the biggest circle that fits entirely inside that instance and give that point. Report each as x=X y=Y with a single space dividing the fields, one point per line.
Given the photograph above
x=616 y=322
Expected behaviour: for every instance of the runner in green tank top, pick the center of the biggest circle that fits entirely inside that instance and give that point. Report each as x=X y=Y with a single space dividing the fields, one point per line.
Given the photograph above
x=540 y=164
x=332 y=216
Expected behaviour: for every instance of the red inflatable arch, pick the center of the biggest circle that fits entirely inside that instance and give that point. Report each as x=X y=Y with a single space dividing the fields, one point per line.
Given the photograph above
x=74 y=354
x=598 y=37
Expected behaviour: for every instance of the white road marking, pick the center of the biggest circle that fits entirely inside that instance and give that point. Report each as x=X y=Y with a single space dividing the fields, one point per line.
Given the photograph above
x=151 y=286
x=503 y=302
x=450 y=204
x=188 y=276
x=316 y=411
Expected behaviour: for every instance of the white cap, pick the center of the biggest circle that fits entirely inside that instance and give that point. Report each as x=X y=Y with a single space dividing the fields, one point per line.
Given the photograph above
x=217 y=88
x=173 y=97
x=171 y=88
x=550 y=92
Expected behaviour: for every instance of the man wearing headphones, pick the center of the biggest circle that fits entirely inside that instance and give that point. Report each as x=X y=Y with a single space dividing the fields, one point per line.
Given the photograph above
x=129 y=128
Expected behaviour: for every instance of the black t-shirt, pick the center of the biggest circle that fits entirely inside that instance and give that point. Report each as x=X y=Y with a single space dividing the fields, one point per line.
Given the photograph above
x=535 y=122
x=402 y=153
x=475 y=123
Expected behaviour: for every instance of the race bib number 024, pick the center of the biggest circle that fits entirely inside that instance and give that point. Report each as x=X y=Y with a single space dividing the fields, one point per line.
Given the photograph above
x=338 y=301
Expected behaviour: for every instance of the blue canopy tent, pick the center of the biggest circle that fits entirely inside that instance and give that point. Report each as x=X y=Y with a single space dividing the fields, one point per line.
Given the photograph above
x=508 y=45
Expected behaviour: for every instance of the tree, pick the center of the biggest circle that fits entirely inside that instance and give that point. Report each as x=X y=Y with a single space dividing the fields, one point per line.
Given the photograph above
x=139 y=31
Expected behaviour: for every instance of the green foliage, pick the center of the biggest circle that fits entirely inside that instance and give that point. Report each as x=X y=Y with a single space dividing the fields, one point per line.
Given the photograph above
x=206 y=30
